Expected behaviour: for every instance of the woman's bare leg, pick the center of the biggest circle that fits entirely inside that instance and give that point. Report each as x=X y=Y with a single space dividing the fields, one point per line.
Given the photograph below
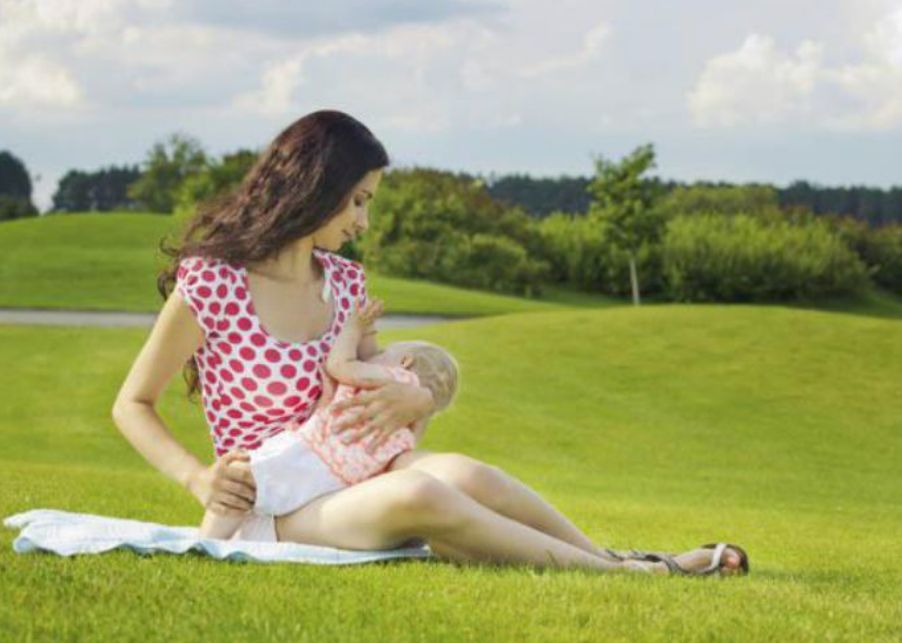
x=504 y=494
x=499 y=491
x=390 y=509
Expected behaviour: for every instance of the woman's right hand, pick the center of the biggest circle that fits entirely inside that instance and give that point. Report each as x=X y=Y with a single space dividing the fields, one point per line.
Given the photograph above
x=227 y=486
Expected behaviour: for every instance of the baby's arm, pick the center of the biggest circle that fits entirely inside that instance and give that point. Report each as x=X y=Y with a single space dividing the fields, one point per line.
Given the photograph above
x=342 y=363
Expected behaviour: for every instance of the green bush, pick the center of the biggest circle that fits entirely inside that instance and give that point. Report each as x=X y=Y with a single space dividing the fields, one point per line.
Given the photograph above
x=880 y=248
x=580 y=251
x=724 y=199
x=883 y=251
x=711 y=257
x=430 y=224
x=13 y=207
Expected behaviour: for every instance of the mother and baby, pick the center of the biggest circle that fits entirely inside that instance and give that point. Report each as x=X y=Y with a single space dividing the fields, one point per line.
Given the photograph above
x=314 y=426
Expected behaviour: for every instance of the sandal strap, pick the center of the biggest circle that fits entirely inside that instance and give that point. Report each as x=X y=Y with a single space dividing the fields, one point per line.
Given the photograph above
x=673 y=566
x=613 y=553
x=743 y=555
x=715 y=559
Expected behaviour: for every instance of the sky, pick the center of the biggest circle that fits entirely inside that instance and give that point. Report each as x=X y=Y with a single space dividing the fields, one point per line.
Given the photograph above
x=766 y=91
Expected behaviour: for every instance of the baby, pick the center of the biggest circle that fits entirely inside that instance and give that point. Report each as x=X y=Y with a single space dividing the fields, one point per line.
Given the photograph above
x=310 y=458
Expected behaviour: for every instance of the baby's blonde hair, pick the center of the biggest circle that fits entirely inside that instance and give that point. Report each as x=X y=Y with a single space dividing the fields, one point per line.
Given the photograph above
x=436 y=369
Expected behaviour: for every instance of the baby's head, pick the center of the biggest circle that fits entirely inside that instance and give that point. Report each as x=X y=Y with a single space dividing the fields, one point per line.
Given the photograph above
x=435 y=367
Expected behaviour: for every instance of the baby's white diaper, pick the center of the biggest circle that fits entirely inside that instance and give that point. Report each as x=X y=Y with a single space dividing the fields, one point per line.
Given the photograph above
x=288 y=474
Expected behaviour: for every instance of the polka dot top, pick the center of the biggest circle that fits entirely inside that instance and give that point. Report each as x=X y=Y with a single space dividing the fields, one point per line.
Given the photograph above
x=252 y=383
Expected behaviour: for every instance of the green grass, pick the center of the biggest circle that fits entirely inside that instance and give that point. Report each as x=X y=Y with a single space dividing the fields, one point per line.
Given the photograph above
x=114 y=264
x=662 y=427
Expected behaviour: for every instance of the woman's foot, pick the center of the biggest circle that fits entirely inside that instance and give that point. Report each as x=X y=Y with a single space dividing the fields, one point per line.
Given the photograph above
x=697 y=559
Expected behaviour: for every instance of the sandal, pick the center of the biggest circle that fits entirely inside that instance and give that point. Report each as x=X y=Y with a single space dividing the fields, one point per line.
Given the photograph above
x=675 y=568
x=628 y=554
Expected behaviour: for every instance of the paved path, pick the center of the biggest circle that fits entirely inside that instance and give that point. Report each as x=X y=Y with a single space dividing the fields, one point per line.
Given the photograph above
x=113 y=318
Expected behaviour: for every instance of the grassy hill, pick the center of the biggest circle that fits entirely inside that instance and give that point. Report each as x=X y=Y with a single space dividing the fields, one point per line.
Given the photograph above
x=110 y=262
x=657 y=428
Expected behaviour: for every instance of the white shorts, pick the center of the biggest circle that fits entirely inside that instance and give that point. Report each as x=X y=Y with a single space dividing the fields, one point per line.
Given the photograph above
x=289 y=474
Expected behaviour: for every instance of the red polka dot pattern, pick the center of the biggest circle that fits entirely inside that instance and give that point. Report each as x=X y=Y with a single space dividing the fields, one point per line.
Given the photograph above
x=253 y=384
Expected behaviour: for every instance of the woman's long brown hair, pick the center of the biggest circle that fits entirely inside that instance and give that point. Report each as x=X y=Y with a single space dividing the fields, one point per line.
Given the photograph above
x=296 y=185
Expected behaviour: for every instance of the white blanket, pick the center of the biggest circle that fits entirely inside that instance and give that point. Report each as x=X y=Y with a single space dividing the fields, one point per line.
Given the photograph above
x=67 y=533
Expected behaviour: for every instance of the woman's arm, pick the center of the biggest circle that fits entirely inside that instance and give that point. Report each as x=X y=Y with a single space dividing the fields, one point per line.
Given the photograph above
x=386 y=407
x=175 y=337
x=419 y=430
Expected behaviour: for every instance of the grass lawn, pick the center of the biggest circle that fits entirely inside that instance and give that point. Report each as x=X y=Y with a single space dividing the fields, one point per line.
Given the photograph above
x=114 y=264
x=662 y=427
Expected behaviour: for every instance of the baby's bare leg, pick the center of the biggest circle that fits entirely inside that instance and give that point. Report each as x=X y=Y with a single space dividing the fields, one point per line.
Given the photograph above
x=218 y=526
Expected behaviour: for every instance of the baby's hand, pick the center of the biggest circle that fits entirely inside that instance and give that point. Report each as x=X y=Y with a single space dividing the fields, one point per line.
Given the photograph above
x=368 y=315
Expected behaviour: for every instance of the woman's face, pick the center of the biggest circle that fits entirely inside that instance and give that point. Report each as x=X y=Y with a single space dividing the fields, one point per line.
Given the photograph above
x=353 y=220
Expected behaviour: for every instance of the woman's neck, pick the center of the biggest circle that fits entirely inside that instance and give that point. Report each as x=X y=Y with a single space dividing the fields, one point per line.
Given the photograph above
x=294 y=263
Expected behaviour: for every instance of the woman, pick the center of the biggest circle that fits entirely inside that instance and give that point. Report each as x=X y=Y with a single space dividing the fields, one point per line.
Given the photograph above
x=270 y=244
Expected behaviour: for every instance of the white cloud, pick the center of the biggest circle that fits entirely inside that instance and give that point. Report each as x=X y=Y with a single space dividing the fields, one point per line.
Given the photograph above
x=404 y=52
x=20 y=19
x=276 y=95
x=758 y=84
x=474 y=76
x=884 y=41
x=416 y=122
x=38 y=82
x=755 y=84
x=31 y=78
x=875 y=86
x=593 y=41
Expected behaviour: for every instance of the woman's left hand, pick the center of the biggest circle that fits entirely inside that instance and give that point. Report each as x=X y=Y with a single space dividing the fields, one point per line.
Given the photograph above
x=385 y=408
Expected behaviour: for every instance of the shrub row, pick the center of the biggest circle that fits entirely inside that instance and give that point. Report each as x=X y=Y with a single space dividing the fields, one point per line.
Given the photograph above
x=741 y=258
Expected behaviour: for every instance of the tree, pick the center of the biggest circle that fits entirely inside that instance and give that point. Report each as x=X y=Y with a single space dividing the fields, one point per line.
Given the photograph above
x=14 y=179
x=166 y=168
x=433 y=224
x=624 y=202
x=217 y=177
x=103 y=190
x=15 y=188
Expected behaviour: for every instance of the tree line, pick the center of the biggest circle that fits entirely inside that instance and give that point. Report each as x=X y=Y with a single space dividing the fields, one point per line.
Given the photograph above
x=113 y=188
x=637 y=236
x=542 y=196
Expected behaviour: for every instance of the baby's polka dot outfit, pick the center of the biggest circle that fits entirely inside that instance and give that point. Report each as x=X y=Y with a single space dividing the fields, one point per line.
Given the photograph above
x=353 y=461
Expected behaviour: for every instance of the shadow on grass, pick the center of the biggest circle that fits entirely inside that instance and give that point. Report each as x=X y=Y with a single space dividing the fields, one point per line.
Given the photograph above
x=873 y=303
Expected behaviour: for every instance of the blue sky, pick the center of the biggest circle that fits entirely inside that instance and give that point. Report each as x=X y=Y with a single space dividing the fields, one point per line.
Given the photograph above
x=764 y=91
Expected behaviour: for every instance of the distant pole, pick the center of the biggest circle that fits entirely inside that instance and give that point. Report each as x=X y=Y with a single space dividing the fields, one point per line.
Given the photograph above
x=634 y=281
